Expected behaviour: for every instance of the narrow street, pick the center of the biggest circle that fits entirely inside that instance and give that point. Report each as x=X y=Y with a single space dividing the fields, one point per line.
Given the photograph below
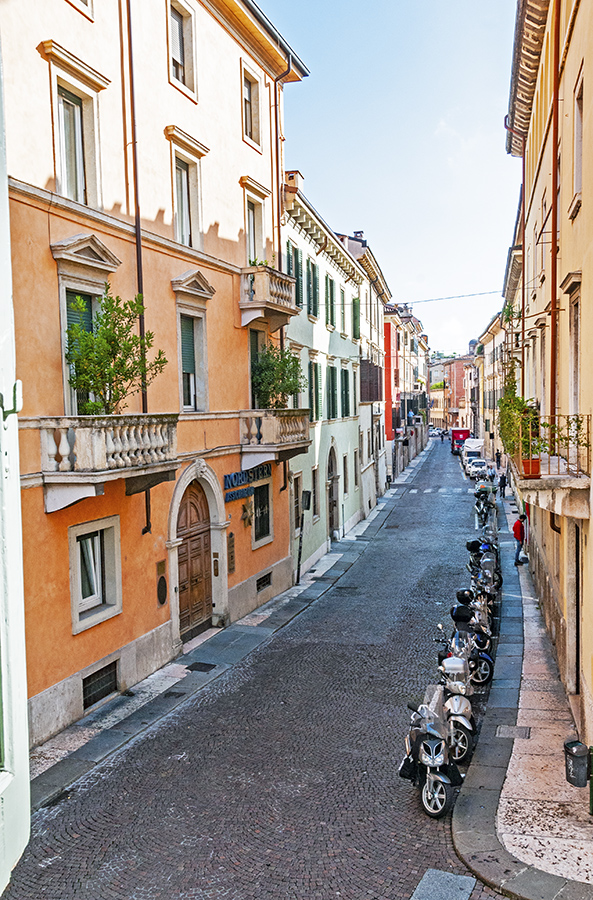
x=280 y=780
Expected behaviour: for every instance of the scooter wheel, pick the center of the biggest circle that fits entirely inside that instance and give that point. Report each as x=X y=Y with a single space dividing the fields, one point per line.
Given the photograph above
x=438 y=799
x=460 y=743
x=497 y=580
x=483 y=673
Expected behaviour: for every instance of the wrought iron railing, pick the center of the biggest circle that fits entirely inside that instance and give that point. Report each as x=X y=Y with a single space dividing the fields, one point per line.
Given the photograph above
x=552 y=445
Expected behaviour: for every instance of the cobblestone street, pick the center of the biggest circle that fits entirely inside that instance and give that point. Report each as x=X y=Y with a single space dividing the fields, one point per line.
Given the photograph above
x=279 y=779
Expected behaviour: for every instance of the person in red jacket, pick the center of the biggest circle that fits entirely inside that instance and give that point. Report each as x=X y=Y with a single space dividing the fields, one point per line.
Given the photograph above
x=519 y=535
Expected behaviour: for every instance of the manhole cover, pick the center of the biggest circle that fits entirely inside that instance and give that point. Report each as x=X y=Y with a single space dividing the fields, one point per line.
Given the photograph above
x=201 y=667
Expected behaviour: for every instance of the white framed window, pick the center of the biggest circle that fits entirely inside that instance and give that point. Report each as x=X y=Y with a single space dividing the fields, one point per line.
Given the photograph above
x=72 y=168
x=356 y=469
x=192 y=358
x=255 y=240
x=83 y=6
x=345 y=469
x=182 y=65
x=297 y=487
x=183 y=229
x=95 y=572
x=75 y=88
x=251 y=107
x=577 y=151
x=263 y=524
x=90 y=305
x=186 y=156
x=84 y=265
x=315 y=492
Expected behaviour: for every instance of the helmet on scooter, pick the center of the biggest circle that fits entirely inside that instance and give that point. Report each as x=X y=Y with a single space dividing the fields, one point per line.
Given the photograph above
x=473 y=546
x=464 y=596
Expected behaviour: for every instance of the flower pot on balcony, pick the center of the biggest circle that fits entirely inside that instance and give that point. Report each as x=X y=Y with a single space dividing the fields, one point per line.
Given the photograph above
x=531 y=468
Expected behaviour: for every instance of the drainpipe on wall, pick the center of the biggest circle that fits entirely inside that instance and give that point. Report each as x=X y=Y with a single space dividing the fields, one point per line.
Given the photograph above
x=138 y=231
x=279 y=206
x=523 y=249
x=554 y=241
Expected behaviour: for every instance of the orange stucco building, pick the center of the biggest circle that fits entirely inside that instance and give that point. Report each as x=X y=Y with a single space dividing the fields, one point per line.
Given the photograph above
x=133 y=538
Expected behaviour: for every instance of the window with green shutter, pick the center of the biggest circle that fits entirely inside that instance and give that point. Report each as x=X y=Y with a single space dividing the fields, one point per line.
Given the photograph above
x=332 y=392
x=83 y=317
x=330 y=301
x=188 y=362
x=298 y=274
x=289 y=248
x=356 y=318
x=345 y=386
x=342 y=311
x=312 y=288
x=315 y=392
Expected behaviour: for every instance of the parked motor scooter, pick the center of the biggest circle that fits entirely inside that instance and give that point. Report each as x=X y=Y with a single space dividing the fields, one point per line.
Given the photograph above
x=426 y=762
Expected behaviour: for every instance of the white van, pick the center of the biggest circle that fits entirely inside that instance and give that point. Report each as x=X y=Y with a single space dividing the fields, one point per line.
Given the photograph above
x=472 y=449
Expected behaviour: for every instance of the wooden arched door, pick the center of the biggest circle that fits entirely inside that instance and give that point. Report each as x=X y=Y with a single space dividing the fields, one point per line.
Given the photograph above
x=194 y=563
x=333 y=482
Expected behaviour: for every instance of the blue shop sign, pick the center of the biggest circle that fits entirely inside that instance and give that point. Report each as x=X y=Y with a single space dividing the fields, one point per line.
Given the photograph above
x=233 y=482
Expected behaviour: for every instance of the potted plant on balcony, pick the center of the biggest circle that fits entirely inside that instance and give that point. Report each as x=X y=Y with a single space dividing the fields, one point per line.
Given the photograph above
x=107 y=359
x=276 y=375
x=519 y=427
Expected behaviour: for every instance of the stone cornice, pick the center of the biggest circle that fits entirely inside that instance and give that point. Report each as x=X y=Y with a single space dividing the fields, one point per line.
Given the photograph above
x=530 y=27
x=305 y=217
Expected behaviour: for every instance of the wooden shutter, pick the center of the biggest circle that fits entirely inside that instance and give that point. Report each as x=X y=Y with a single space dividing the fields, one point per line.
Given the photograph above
x=188 y=354
x=327 y=317
x=309 y=287
x=356 y=318
x=332 y=302
x=311 y=391
x=299 y=278
x=77 y=317
x=315 y=269
x=289 y=258
x=345 y=393
x=334 y=384
x=319 y=390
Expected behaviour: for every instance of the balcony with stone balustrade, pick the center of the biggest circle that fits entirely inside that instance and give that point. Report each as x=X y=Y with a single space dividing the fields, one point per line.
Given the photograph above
x=273 y=435
x=79 y=454
x=267 y=295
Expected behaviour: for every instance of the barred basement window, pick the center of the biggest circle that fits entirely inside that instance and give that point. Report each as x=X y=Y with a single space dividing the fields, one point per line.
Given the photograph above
x=99 y=685
x=263 y=582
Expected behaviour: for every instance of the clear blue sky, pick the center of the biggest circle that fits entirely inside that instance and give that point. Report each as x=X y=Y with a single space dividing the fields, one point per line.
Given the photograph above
x=399 y=132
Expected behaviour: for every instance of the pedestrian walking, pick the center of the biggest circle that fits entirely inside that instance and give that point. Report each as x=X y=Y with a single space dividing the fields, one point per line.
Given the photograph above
x=519 y=535
x=442 y=437
x=498 y=459
x=502 y=484
x=490 y=473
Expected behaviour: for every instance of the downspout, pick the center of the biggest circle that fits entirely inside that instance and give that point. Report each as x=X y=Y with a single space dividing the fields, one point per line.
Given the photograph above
x=554 y=241
x=138 y=231
x=523 y=250
x=279 y=209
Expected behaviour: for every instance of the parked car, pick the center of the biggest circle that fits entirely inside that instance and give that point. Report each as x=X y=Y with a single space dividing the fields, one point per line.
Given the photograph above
x=476 y=468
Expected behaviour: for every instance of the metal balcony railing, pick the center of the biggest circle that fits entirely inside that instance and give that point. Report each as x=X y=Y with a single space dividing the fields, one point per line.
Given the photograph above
x=557 y=445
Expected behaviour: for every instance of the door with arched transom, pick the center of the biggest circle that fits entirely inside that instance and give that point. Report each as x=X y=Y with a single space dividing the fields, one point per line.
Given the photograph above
x=194 y=563
x=333 y=495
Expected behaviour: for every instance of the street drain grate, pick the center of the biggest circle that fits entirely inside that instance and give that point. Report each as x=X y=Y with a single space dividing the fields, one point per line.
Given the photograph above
x=201 y=667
